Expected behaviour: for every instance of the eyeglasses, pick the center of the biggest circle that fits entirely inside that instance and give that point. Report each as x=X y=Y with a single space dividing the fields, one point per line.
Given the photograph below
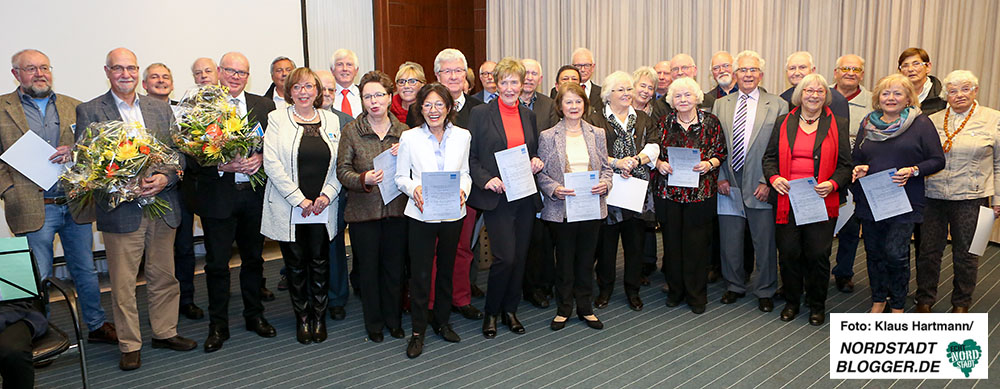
x=684 y=68
x=305 y=87
x=407 y=81
x=814 y=92
x=964 y=90
x=582 y=66
x=120 y=68
x=851 y=69
x=236 y=73
x=748 y=70
x=449 y=72
x=913 y=65
x=439 y=105
x=484 y=74
x=721 y=66
x=376 y=95
x=33 y=68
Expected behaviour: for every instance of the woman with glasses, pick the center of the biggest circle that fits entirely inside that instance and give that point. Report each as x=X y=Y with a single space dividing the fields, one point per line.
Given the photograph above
x=300 y=154
x=644 y=89
x=970 y=134
x=374 y=222
x=915 y=64
x=633 y=143
x=435 y=145
x=409 y=79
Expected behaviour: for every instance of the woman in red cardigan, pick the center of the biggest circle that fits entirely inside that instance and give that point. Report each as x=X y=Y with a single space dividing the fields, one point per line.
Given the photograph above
x=808 y=142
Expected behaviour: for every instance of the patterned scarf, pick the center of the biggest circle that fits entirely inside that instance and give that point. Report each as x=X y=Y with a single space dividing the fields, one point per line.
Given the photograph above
x=624 y=145
x=877 y=130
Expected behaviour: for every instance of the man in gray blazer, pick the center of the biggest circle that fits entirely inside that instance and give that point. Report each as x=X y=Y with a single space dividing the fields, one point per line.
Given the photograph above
x=747 y=118
x=128 y=231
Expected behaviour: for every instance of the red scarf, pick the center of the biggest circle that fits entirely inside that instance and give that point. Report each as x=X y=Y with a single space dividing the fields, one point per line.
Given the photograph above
x=827 y=164
x=396 y=108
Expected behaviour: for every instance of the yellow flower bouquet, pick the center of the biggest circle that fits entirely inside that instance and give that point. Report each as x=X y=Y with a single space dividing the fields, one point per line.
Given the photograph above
x=211 y=130
x=109 y=162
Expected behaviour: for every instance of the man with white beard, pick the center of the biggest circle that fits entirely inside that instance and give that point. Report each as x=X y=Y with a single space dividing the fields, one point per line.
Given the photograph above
x=722 y=73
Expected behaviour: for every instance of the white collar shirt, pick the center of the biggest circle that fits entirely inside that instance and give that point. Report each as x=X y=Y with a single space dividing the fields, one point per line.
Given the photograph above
x=130 y=113
x=353 y=98
x=752 y=99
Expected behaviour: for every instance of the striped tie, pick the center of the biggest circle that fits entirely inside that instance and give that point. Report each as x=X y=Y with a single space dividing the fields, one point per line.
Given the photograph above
x=739 y=131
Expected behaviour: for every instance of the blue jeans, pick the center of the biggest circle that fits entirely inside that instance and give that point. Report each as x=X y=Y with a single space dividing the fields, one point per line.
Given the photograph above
x=887 y=246
x=339 y=291
x=78 y=245
x=847 y=248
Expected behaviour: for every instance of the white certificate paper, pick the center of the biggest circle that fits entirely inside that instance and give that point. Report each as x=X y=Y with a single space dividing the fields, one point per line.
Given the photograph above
x=984 y=227
x=806 y=204
x=731 y=205
x=845 y=213
x=583 y=205
x=441 y=193
x=515 y=172
x=885 y=198
x=683 y=160
x=627 y=193
x=30 y=156
x=387 y=163
x=311 y=219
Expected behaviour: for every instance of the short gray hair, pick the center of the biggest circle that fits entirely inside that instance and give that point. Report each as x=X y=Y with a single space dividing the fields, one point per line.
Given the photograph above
x=14 y=58
x=959 y=77
x=750 y=54
x=145 y=73
x=811 y=79
x=341 y=54
x=804 y=53
x=582 y=50
x=614 y=81
x=449 y=55
x=279 y=59
x=841 y=59
x=688 y=84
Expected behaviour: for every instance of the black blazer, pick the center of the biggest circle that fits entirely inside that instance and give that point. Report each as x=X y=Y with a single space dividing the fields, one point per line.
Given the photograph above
x=841 y=174
x=545 y=112
x=214 y=191
x=488 y=137
x=461 y=117
x=646 y=130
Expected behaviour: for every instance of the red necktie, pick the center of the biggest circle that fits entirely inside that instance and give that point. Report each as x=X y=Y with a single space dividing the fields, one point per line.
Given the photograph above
x=345 y=105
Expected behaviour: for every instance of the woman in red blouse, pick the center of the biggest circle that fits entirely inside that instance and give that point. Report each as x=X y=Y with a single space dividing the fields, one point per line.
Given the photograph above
x=688 y=211
x=807 y=143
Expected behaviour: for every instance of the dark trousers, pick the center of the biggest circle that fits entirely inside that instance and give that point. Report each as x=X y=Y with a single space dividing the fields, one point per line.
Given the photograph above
x=804 y=256
x=425 y=241
x=243 y=227
x=184 y=255
x=307 y=264
x=339 y=291
x=15 y=356
x=576 y=244
x=632 y=232
x=509 y=226
x=887 y=246
x=539 y=269
x=689 y=239
x=847 y=248
x=940 y=217
x=380 y=247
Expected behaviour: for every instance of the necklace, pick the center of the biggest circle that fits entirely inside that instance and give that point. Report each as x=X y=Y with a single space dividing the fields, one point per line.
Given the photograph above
x=808 y=121
x=693 y=118
x=947 y=142
x=311 y=118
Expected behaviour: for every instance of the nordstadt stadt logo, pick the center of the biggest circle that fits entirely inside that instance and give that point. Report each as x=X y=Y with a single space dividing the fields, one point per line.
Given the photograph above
x=964 y=356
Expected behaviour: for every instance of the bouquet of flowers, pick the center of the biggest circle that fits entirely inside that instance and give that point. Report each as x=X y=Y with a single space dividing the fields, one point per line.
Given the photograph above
x=110 y=160
x=211 y=130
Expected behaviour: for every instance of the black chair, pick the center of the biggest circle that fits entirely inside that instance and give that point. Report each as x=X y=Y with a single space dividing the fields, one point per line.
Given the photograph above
x=55 y=342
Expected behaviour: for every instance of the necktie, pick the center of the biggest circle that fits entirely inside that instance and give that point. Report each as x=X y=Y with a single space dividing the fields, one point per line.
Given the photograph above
x=345 y=105
x=739 y=132
x=236 y=102
x=491 y=97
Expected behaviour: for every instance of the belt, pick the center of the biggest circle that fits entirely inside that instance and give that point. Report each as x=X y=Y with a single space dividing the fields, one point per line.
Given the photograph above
x=54 y=200
x=243 y=186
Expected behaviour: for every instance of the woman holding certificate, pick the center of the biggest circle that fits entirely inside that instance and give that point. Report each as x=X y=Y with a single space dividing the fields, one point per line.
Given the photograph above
x=632 y=144
x=437 y=151
x=688 y=211
x=508 y=202
x=896 y=135
x=300 y=155
x=811 y=144
x=367 y=145
x=573 y=146
x=971 y=137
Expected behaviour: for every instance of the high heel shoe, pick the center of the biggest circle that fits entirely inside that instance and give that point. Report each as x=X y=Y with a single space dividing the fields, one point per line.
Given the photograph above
x=510 y=320
x=490 y=326
x=303 y=330
x=595 y=324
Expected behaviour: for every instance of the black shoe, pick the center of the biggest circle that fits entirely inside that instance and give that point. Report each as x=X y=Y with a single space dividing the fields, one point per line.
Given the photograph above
x=261 y=327
x=845 y=285
x=672 y=303
x=476 y=292
x=177 y=343
x=376 y=337
x=191 y=311
x=490 y=326
x=216 y=336
x=730 y=297
x=713 y=276
x=595 y=324
x=537 y=298
x=447 y=333
x=415 y=347
x=698 y=309
x=601 y=301
x=397 y=333
x=789 y=313
x=303 y=329
x=468 y=311
x=511 y=321
x=647 y=269
x=817 y=318
x=338 y=313
x=266 y=295
x=319 y=329
x=283 y=283
x=635 y=302
x=765 y=304
x=558 y=325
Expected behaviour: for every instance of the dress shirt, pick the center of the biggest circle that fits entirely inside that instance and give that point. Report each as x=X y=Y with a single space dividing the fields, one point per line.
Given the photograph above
x=130 y=113
x=751 y=116
x=43 y=120
x=587 y=86
x=279 y=102
x=530 y=103
x=417 y=147
x=925 y=90
x=241 y=105
x=353 y=98
x=460 y=102
x=487 y=97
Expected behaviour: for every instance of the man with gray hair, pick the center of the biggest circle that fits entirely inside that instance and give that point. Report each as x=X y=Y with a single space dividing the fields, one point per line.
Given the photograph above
x=281 y=67
x=489 y=91
x=158 y=82
x=40 y=213
x=681 y=65
x=204 y=72
x=722 y=74
x=347 y=98
x=800 y=64
x=663 y=78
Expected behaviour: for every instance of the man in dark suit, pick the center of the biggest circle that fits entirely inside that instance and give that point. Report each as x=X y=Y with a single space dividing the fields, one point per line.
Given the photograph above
x=230 y=209
x=281 y=67
x=583 y=61
x=489 y=91
x=800 y=64
x=128 y=230
x=681 y=65
x=663 y=78
x=543 y=106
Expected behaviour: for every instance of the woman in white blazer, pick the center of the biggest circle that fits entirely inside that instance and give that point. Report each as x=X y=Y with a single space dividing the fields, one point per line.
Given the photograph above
x=435 y=145
x=300 y=155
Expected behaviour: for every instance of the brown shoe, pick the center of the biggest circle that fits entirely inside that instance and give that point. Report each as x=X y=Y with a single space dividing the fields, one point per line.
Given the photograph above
x=130 y=361
x=105 y=334
x=959 y=309
x=923 y=308
x=178 y=343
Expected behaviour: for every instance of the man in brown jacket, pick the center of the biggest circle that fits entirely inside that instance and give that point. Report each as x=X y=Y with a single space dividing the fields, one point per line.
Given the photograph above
x=40 y=213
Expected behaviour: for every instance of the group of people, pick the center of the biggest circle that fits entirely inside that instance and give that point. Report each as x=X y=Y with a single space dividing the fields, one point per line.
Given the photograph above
x=323 y=136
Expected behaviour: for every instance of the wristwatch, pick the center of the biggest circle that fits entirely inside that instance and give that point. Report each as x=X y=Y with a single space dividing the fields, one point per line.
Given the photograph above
x=916 y=170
